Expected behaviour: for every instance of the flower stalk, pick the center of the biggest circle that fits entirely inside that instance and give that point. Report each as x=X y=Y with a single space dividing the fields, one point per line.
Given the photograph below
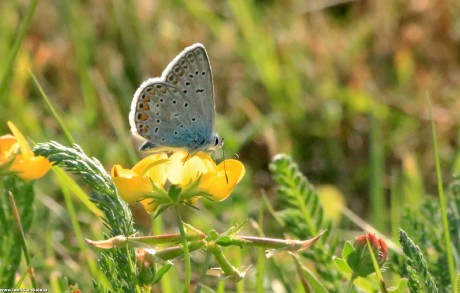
x=228 y=269
x=350 y=283
x=188 y=265
x=196 y=239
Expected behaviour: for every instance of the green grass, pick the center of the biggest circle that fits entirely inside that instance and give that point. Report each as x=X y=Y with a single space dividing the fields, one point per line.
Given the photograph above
x=341 y=89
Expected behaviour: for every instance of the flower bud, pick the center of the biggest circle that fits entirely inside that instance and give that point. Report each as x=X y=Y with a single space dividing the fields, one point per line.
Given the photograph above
x=360 y=260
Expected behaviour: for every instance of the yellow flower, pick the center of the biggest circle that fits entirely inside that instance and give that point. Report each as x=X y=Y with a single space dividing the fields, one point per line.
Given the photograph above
x=196 y=176
x=133 y=184
x=17 y=157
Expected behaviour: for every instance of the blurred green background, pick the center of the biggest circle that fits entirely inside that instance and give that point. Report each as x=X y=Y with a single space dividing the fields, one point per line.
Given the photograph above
x=342 y=86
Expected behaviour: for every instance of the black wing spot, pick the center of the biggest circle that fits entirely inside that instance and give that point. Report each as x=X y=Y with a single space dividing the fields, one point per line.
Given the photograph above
x=158 y=120
x=185 y=105
x=162 y=100
x=162 y=139
x=196 y=72
x=185 y=91
x=193 y=119
x=172 y=78
x=149 y=89
x=158 y=105
x=182 y=126
x=175 y=132
x=156 y=129
x=190 y=75
x=174 y=102
x=200 y=90
x=203 y=73
x=187 y=83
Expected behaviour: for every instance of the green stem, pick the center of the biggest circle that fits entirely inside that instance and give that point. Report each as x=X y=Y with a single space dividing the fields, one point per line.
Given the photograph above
x=203 y=272
x=133 y=270
x=188 y=266
x=23 y=240
x=350 y=284
x=228 y=269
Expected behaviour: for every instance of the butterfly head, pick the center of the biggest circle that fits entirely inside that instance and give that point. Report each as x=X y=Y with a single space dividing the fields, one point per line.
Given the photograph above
x=216 y=142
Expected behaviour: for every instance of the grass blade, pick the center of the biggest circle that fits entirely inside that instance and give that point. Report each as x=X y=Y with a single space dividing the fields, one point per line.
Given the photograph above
x=442 y=203
x=67 y=134
x=24 y=27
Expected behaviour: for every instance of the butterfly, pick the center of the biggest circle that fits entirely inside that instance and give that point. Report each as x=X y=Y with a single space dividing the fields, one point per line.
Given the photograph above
x=176 y=110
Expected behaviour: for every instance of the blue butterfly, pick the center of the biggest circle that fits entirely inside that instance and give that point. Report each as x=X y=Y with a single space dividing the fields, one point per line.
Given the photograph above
x=176 y=110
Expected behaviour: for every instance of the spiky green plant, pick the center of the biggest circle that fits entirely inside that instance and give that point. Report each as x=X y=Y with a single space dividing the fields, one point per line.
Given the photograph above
x=302 y=215
x=117 y=264
x=419 y=224
x=415 y=264
x=10 y=238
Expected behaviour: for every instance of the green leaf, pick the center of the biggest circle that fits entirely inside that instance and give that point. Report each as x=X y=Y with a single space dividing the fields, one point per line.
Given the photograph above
x=174 y=192
x=342 y=266
x=302 y=215
x=161 y=271
x=309 y=278
x=224 y=241
x=402 y=286
x=347 y=249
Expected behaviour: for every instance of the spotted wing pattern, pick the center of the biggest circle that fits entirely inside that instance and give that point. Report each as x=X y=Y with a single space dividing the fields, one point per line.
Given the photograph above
x=176 y=110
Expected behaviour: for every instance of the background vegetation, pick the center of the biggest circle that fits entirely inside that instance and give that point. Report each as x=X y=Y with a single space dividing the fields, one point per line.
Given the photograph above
x=341 y=87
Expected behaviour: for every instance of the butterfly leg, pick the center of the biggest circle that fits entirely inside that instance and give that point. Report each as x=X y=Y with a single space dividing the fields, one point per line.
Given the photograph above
x=147 y=145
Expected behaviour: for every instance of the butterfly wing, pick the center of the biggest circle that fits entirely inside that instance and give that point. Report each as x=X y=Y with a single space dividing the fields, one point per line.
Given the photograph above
x=165 y=118
x=191 y=72
x=176 y=110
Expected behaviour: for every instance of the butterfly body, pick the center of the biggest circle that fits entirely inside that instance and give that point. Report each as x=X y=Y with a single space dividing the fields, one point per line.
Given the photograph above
x=176 y=111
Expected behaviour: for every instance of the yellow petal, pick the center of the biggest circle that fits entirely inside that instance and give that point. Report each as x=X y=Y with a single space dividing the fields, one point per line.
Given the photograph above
x=153 y=166
x=8 y=147
x=131 y=187
x=216 y=184
x=23 y=145
x=184 y=168
x=32 y=168
x=207 y=161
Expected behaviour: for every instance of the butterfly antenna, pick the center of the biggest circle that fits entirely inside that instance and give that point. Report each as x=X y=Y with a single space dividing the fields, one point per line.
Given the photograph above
x=225 y=168
x=186 y=158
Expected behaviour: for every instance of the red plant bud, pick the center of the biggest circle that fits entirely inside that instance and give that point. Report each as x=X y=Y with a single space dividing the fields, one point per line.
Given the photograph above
x=360 y=260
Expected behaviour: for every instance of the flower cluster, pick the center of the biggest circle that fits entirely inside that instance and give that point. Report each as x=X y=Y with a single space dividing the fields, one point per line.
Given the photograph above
x=17 y=158
x=155 y=178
